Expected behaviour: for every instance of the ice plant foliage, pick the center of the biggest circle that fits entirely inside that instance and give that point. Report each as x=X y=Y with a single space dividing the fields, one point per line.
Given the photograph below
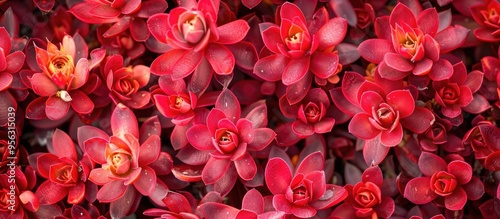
x=250 y=109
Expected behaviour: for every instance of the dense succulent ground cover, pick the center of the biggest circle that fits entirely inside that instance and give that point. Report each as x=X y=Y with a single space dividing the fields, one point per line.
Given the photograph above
x=249 y=109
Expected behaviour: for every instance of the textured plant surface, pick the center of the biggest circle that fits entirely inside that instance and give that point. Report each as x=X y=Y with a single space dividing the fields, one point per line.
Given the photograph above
x=269 y=109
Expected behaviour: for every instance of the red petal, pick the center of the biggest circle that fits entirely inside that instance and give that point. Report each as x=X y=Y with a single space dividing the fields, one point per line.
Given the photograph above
x=50 y=193
x=233 y=32
x=42 y=85
x=81 y=103
x=229 y=104
x=305 y=211
x=123 y=121
x=245 y=54
x=146 y=181
x=218 y=210
x=402 y=101
x=451 y=38
x=491 y=162
x=369 y=100
x=332 y=33
x=461 y=170
x=324 y=64
x=313 y=162
x=289 y=11
x=81 y=74
x=441 y=70
x=44 y=162
x=76 y=193
x=280 y=203
x=214 y=170
x=373 y=50
x=246 y=167
x=63 y=145
x=419 y=121
x=220 y=58
x=474 y=189
x=278 y=176
x=99 y=176
x=5 y=42
x=324 y=126
x=14 y=62
x=390 y=73
x=431 y=48
x=250 y=3
x=95 y=148
x=262 y=138
x=457 y=200
x=149 y=150
x=431 y=163
x=397 y=62
x=296 y=70
x=271 y=67
x=361 y=127
x=373 y=174
x=271 y=37
x=56 y=108
x=119 y=27
x=139 y=30
x=428 y=21
x=111 y=191
x=374 y=152
x=301 y=129
x=474 y=80
x=422 y=67
x=401 y=14
x=392 y=138
x=418 y=191
x=253 y=201
x=158 y=26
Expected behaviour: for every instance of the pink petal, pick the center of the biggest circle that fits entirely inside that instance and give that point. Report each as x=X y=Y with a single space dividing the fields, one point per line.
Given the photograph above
x=474 y=80
x=228 y=104
x=402 y=101
x=431 y=163
x=139 y=30
x=428 y=21
x=361 y=127
x=99 y=176
x=81 y=73
x=333 y=195
x=332 y=33
x=457 y=200
x=149 y=150
x=302 y=129
x=422 y=67
x=373 y=50
x=271 y=37
x=42 y=85
x=76 y=193
x=296 y=70
x=214 y=170
x=313 y=162
x=401 y=14
x=233 y=32
x=253 y=201
x=278 y=175
x=271 y=67
x=158 y=26
x=451 y=38
x=246 y=167
x=81 y=103
x=56 y=108
x=419 y=121
x=397 y=62
x=324 y=64
x=461 y=170
x=14 y=62
x=146 y=181
x=95 y=148
x=111 y=191
x=374 y=152
x=50 y=193
x=220 y=58
x=392 y=138
x=122 y=206
x=431 y=48
x=123 y=121
x=441 y=70
x=474 y=189
x=218 y=210
x=5 y=81
x=390 y=73
x=418 y=191
x=305 y=211
x=63 y=145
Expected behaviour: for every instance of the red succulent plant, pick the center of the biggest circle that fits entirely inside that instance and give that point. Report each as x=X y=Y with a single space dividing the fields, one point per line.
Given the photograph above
x=183 y=205
x=417 y=39
x=64 y=71
x=301 y=191
x=124 y=82
x=365 y=199
x=122 y=14
x=126 y=170
x=310 y=113
x=16 y=197
x=198 y=43
x=65 y=171
x=298 y=47
x=453 y=182
x=482 y=139
x=228 y=138
x=487 y=16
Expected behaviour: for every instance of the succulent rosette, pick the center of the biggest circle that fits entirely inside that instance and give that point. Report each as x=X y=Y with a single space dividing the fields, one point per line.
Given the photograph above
x=122 y=14
x=302 y=191
x=63 y=72
x=125 y=173
x=486 y=15
x=229 y=138
x=298 y=48
x=124 y=82
x=17 y=198
x=414 y=46
x=65 y=171
x=198 y=43
x=453 y=182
